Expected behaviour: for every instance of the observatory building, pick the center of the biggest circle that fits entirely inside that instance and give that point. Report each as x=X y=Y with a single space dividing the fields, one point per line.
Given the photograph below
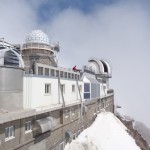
x=42 y=105
x=37 y=49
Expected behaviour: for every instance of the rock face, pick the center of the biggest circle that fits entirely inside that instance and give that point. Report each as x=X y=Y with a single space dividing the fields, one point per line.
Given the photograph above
x=143 y=130
x=140 y=141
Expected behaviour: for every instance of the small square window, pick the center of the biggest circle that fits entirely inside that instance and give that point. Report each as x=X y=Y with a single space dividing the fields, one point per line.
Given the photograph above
x=9 y=133
x=47 y=71
x=72 y=76
x=69 y=75
x=40 y=70
x=28 y=127
x=47 y=88
x=65 y=74
x=66 y=113
x=73 y=111
x=75 y=76
x=57 y=73
x=52 y=72
x=61 y=74
x=73 y=88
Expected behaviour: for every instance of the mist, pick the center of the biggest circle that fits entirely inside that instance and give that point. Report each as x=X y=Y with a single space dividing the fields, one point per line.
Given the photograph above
x=118 y=32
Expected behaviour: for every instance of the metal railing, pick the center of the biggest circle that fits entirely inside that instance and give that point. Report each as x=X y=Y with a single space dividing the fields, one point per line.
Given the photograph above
x=37 y=45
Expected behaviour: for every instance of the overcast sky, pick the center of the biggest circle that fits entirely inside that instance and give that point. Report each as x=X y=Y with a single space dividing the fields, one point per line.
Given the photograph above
x=115 y=30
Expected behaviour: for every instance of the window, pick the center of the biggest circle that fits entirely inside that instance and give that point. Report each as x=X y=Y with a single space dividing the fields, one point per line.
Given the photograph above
x=65 y=74
x=52 y=72
x=46 y=71
x=28 y=127
x=86 y=95
x=47 y=88
x=69 y=75
x=73 y=88
x=72 y=76
x=9 y=133
x=61 y=146
x=66 y=113
x=57 y=73
x=86 y=87
x=61 y=74
x=63 y=88
x=75 y=76
x=40 y=70
x=73 y=111
x=86 y=91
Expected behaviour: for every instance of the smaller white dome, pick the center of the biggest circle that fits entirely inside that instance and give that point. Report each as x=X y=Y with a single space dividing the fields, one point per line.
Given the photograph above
x=100 y=66
x=37 y=36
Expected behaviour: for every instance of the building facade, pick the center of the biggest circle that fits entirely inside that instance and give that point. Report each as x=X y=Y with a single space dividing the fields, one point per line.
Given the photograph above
x=44 y=106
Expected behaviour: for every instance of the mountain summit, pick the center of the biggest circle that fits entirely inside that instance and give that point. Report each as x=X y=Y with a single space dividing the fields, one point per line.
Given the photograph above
x=106 y=133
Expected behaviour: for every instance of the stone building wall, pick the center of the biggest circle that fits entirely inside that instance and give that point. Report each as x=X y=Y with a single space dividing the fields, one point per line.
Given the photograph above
x=49 y=140
x=31 y=56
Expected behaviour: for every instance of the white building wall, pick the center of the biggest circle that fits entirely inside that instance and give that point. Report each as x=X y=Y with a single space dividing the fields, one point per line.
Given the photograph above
x=69 y=95
x=34 y=91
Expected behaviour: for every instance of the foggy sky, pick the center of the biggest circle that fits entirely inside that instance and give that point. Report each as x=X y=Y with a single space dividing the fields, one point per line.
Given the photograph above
x=118 y=32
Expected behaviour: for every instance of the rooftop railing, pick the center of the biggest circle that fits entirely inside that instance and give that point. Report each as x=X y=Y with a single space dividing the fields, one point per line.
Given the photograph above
x=36 y=45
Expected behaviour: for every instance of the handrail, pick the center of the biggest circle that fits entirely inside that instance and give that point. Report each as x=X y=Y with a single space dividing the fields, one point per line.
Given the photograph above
x=37 y=45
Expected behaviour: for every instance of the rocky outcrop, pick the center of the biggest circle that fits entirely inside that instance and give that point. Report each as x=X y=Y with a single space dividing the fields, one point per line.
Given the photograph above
x=140 y=141
x=143 y=130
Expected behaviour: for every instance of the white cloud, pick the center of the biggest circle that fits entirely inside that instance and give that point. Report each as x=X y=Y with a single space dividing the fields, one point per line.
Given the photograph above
x=17 y=19
x=118 y=33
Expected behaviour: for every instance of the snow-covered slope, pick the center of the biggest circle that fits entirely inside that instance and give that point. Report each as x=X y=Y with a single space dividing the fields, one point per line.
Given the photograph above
x=106 y=133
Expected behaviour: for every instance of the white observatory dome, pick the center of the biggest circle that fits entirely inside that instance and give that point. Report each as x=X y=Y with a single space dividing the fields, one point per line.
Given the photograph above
x=37 y=36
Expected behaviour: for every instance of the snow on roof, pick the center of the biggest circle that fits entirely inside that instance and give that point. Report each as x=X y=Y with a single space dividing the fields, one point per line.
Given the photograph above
x=106 y=133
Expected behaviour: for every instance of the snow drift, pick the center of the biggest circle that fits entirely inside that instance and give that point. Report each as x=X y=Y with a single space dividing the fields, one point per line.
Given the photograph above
x=106 y=133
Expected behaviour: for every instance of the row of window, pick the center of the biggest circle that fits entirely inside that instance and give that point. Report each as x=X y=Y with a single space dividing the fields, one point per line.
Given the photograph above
x=56 y=73
x=48 y=88
x=67 y=114
x=10 y=131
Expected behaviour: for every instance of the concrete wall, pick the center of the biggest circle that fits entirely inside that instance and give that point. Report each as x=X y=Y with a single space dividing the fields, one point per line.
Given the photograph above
x=11 y=79
x=11 y=88
x=11 y=101
x=34 y=91
x=74 y=123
